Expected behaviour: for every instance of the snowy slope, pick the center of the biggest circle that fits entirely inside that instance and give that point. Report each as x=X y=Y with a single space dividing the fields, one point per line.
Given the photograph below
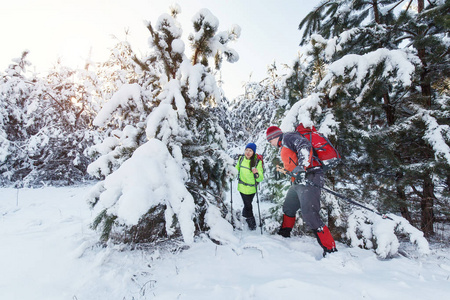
x=47 y=251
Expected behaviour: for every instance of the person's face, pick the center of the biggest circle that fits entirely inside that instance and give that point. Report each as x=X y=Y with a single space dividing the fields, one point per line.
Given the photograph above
x=248 y=153
x=274 y=142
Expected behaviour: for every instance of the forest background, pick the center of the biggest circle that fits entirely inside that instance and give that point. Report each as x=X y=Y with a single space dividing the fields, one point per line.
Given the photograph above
x=373 y=77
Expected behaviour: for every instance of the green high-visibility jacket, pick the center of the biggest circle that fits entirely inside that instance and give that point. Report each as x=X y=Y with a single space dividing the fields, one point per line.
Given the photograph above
x=246 y=179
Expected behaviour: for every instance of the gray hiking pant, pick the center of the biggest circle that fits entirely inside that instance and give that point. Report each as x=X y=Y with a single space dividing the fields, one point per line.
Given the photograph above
x=306 y=198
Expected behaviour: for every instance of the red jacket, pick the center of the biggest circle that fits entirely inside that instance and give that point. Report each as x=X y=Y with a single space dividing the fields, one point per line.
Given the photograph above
x=294 y=148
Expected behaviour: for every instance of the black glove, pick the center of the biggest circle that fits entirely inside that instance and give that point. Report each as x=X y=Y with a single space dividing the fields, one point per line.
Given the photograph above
x=298 y=169
x=299 y=175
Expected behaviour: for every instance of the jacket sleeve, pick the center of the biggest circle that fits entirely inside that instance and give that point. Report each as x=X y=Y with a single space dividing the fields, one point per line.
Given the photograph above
x=238 y=167
x=300 y=145
x=260 y=171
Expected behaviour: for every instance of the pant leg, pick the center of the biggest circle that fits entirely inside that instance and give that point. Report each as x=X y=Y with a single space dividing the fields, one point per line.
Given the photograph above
x=247 y=211
x=291 y=203
x=309 y=197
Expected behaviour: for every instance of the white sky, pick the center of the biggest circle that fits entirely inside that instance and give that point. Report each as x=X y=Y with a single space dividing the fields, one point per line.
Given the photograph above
x=68 y=29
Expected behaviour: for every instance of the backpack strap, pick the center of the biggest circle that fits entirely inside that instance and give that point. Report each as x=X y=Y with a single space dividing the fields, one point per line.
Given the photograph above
x=241 y=158
x=315 y=155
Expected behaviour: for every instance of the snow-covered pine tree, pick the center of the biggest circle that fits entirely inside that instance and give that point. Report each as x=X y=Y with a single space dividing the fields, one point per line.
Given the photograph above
x=173 y=182
x=383 y=89
x=45 y=126
x=429 y=115
x=65 y=113
x=17 y=97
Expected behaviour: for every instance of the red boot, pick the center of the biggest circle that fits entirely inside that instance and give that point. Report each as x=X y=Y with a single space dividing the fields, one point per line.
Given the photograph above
x=286 y=226
x=325 y=240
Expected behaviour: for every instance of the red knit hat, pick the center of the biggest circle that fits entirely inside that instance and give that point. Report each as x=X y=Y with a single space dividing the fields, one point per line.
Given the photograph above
x=273 y=132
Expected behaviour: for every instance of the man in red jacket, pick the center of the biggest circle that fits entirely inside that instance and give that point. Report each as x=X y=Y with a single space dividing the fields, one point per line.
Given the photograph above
x=296 y=154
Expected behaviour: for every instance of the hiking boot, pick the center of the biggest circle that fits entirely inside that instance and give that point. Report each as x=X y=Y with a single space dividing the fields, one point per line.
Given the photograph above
x=285 y=232
x=251 y=223
x=325 y=240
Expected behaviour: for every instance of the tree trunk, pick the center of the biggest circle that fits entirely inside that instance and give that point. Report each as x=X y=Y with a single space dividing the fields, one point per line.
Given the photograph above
x=424 y=82
x=426 y=205
x=328 y=100
x=420 y=5
x=376 y=13
x=401 y=195
x=389 y=109
x=426 y=91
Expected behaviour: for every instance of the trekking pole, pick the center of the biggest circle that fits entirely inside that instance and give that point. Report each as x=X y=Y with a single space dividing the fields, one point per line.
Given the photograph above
x=257 y=201
x=284 y=171
x=231 y=192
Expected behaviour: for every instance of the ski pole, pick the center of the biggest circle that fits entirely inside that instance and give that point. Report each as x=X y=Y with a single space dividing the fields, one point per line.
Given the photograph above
x=231 y=192
x=257 y=201
x=284 y=171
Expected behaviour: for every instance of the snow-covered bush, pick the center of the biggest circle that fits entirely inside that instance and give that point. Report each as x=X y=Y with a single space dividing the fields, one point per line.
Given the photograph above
x=150 y=178
x=371 y=231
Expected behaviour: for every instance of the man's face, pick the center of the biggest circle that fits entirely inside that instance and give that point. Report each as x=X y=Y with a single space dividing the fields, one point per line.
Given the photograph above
x=274 y=142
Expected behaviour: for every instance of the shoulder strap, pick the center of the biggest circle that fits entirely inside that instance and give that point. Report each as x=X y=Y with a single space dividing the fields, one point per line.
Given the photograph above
x=241 y=158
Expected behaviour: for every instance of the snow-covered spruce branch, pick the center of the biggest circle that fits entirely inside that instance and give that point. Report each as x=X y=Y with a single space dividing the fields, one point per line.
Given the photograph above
x=369 y=230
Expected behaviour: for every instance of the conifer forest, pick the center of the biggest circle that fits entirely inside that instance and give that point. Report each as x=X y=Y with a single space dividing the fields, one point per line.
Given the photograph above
x=156 y=131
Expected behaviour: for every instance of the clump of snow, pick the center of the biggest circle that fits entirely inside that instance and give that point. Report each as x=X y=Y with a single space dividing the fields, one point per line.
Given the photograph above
x=305 y=154
x=164 y=120
x=436 y=135
x=371 y=231
x=149 y=178
x=305 y=111
x=175 y=8
x=334 y=44
x=126 y=93
x=220 y=229
x=207 y=19
x=178 y=46
x=329 y=125
x=167 y=22
x=301 y=113
x=361 y=65
x=110 y=151
x=206 y=25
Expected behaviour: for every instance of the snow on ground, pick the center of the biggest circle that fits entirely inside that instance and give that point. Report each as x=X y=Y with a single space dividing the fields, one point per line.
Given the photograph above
x=48 y=251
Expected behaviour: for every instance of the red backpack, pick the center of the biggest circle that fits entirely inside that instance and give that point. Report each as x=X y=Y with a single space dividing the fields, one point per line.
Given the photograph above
x=325 y=155
x=260 y=157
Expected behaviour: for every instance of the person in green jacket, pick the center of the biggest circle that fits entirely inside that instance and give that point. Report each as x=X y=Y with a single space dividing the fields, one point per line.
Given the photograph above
x=250 y=172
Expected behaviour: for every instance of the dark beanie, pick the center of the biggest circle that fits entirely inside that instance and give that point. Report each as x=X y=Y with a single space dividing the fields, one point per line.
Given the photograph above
x=273 y=132
x=251 y=146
